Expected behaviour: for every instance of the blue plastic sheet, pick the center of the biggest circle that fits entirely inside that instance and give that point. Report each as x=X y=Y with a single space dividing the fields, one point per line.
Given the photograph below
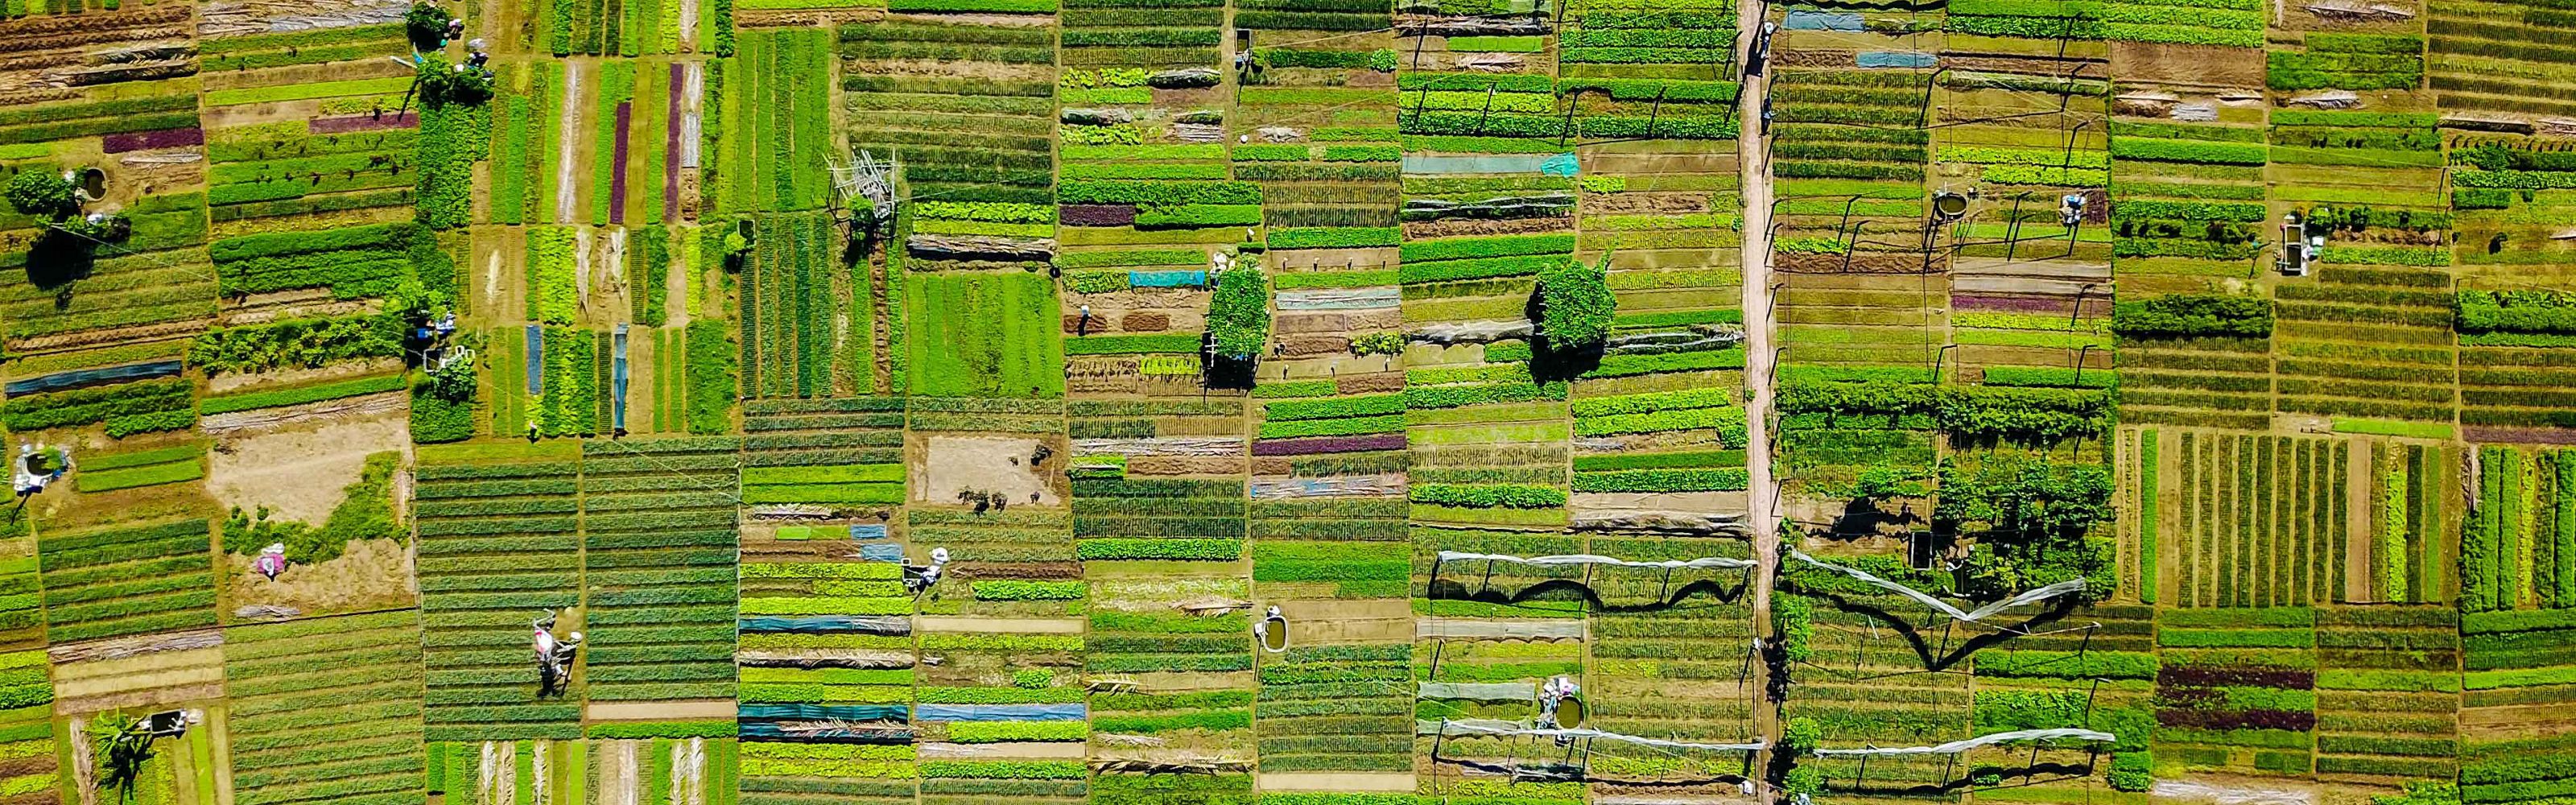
x=1482 y=163
x=828 y=624
x=536 y=360
x=821 y=712
x=998 y=712
x=882 y=552
x=1560 y=165
x=1166 y=279
x=766 y=731
x=1900 y=59
x=617 y=379
x=1821 y=21
x=91 y=377
x=867 y=531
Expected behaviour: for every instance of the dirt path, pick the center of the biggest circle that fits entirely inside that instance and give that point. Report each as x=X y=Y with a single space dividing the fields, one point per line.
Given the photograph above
x=1762 y=496
x=568 y=144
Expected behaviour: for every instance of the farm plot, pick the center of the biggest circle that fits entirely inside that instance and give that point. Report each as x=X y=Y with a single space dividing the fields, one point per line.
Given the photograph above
x=2511 y=363
x=2099 y=678
x=352 y=262
x=64 y=49
x=1825 y=456
x=2510 y=358
x=1003 y=712
x=509 y=771
x=1343 y=709
x=1842 y=136
x=2189 y=200
x=22 y=620
x=798 y=312
x=102 y=685
x=27 y=731
x=1669 y=657
x=1170 y=669
x=965 y=105
x=326 y=709
x=1487 y=439
x=2500 y=58
x=826 y=641
x=846 y=454
x=2261 y=520
x=2376 y=274
x=2514 y=664
x=775 y=116
x=2388 y=696
x=2367 y=340
x=1144 y=128
x=126 y=580
x=658 y=523
x=497 y=546
x=1177 y=35
x=331 y=171
x=1864 y=683
x=157 y=285
x=1668 y=451
x=1159 y=517
x=1317 y=99
x=135 y=116
x=1471 y=678
x=2237 y=690
x=983 y=334
x=2023 y=281
x=527 y=127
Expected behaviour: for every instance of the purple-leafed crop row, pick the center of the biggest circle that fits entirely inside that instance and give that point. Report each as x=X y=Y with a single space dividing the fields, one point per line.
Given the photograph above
x=617 y=168
x=1097 y=214
x=671 y=144
x=148 y=140
x=2236 y=677
x=1328 y=444
x=342 y=125
x=2292 y=720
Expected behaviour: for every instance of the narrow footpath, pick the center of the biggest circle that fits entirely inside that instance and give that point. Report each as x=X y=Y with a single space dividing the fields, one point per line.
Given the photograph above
x=1762 y=492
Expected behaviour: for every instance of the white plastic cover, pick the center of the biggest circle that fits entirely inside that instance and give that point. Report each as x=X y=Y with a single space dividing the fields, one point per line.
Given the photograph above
x=1571 y=560
x=1487 y=726
x=1989 y=739
x=1980 y=613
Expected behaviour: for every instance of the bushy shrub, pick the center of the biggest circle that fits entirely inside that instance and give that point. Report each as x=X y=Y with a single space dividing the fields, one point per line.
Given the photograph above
x=1239 y=313
x=1576 y=305
x=2194 y=315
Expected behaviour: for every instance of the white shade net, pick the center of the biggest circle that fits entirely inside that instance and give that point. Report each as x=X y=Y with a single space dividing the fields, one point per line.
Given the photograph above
x=1579 y=559
x=1484 y=726
x=1981 y=613
x=1989 y=739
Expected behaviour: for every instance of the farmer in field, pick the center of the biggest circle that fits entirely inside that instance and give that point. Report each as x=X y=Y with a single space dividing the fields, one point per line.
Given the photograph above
x=271 y=561
x=547 y=672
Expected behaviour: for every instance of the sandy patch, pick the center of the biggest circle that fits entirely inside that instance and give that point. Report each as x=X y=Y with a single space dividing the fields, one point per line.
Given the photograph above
x=298 y=474
x=220 y=384
x=570 y=139
x=646 y=711
x=372 y=574
x=958 y=464
x=1697 y=502
x=997 y=751
x=1336 y=781
x=1314 y=623
x=948 y=623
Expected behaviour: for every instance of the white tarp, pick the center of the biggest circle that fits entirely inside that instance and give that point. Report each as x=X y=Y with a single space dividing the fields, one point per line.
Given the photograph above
x=1571 y=560
x=1487 y=726
x=2026 y=597
x=1989 y=739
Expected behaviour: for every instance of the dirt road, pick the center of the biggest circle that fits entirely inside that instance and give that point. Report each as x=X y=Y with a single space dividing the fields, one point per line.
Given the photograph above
x=1762 y=492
